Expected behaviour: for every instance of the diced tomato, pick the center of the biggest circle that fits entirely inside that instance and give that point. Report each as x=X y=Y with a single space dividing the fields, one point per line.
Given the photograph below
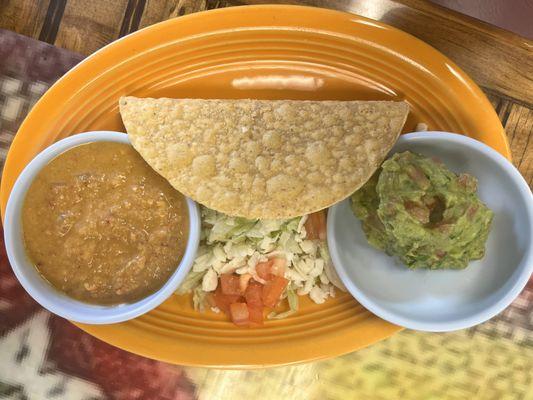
x=273 y=290
x=315 y=226
x=467 y=182
x=254 y=294
x=239 y=314
x=223 y=301
x=310 y=228
x=278 y=266
x=443 y=227
x=243 y=282
x=230 y=284
x=255 y=315
x=263 y=269
x=267 y=269
x=418 y=176
x=417 y=211
x=374 y=222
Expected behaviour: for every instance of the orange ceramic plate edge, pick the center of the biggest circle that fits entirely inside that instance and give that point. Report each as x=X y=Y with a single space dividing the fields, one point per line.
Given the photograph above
x=374 y=328
x=310 y=18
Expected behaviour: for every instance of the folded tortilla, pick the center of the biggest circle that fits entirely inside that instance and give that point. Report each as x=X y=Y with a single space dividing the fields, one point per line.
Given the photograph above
x=264 y=159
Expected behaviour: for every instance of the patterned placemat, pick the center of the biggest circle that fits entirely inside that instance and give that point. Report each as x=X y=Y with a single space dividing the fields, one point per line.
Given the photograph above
x=45 y=357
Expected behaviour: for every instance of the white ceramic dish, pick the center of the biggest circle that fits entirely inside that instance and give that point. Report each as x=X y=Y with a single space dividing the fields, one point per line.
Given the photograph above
x=444 y=300
x=41 y=290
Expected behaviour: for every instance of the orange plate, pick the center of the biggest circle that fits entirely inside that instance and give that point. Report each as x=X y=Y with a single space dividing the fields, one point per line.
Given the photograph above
x=264 y=52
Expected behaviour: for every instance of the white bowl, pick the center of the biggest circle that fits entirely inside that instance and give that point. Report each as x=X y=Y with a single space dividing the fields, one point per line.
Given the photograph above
x=444 y=300
x=41 y=290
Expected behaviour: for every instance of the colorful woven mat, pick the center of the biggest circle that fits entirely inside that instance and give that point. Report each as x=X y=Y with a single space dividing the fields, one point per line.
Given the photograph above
x=45 y=357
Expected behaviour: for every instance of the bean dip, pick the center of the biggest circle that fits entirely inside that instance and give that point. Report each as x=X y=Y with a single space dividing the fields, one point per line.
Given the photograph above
x=102 y=226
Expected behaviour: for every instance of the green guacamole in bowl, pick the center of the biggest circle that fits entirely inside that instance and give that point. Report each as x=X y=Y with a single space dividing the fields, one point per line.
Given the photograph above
x=418 y=210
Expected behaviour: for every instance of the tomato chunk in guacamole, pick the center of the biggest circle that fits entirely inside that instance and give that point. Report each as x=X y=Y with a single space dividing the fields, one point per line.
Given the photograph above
x=418 y=210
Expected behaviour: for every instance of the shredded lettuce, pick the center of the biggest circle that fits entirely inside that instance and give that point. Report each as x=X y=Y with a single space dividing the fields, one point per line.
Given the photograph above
x=292 y=299
x=329 y=270
x=232 y=244
x=192 y=281
x=198 y=299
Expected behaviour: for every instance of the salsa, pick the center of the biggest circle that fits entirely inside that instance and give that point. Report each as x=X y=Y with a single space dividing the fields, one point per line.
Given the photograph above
x=246 y=268
x=418 y=210
x=102 y=226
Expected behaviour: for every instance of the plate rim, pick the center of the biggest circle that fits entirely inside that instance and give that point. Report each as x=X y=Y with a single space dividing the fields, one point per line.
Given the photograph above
x=389 y=329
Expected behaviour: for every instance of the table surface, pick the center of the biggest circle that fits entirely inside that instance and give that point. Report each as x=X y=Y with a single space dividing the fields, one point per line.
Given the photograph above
x=493 y=360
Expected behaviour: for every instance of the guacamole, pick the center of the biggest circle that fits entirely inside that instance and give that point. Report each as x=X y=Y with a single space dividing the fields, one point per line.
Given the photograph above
x=418 y=210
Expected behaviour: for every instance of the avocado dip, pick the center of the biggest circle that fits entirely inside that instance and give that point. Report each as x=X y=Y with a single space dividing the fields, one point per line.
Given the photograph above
x=418 y=210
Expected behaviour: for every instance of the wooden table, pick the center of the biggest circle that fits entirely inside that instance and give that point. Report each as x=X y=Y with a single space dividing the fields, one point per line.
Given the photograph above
x=499 y=61
x=464 y=364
